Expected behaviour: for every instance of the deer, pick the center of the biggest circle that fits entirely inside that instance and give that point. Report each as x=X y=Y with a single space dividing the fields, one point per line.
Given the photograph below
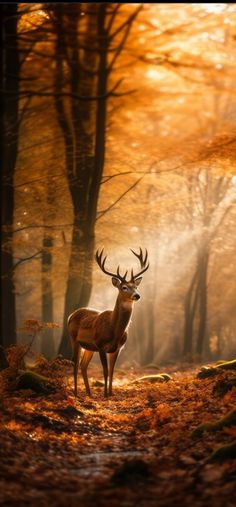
x=105 y=332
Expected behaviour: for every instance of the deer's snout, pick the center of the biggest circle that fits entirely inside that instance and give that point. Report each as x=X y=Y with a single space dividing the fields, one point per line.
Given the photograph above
x=136 y=297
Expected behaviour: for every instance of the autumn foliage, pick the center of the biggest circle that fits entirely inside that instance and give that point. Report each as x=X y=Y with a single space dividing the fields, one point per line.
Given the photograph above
x=118 y=130
x=138 y=446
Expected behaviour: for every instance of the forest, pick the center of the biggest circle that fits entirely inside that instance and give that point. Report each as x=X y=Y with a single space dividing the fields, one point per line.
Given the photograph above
x=118 y=171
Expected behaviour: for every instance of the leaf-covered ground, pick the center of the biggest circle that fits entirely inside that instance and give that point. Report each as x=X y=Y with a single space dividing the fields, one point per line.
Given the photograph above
x=135 y=448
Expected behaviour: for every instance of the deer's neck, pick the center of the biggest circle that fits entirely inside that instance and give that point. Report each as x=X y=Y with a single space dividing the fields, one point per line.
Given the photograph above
x=121 y=316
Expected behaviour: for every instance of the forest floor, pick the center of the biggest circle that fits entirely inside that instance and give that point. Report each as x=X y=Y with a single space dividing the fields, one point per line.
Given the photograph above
x=135 y=448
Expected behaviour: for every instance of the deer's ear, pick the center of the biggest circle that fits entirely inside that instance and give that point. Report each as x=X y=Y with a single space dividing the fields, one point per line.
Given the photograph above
x=138 y=280
x=116 y=282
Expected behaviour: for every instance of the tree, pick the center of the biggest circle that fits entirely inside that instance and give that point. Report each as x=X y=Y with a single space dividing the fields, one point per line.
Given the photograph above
x=209 y=202
x=10 y=68
x=48 y=347
x=163 y=126
x=82 y=117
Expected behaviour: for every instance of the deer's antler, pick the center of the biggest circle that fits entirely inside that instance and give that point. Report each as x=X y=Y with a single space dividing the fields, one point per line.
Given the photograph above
x=101 y=262
x=143 y=259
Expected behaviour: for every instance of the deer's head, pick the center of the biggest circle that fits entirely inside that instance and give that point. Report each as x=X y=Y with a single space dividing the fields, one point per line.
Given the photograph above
x=128 y=289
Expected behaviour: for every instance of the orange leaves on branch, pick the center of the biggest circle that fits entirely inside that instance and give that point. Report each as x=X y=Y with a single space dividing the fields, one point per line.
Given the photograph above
x=31 y=323
x=15 y=355
x=50 y=325
x=36 y=326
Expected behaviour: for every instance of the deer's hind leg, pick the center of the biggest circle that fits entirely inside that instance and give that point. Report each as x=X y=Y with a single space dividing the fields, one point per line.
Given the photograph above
x=103 y=358
x=86 y=358
x=112 y=361
x=76 y=357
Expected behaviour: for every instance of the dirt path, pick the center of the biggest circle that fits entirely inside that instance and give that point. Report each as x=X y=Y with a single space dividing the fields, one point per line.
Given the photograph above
x=133 y=449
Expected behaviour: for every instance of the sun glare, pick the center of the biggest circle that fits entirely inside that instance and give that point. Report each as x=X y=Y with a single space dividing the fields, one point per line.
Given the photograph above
x=153 y=74
x=213 y=8
x=233 y=180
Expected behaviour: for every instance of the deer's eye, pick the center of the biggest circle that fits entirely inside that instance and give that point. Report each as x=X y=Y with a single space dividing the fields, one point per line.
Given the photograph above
x=124 y=288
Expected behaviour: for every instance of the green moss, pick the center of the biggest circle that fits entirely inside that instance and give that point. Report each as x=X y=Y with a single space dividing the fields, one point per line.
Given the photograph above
x=227 y=365
x=98 y=383
x=224 y=452
x=35 y=381
x=209 y=371
x=166 y=376
x=228 y=420
x=159 y=377
x=224 y=385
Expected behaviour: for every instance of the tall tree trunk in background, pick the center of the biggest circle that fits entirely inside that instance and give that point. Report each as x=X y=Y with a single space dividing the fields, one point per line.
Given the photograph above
x=139 y=334
x=150 y=346
x=206 y=196
x=190 y=306
x=147 y=328
x=202 y=267
x=83 y=41
x=9 y=136
x=47 y=347
x=84 y=153
x=47 y=343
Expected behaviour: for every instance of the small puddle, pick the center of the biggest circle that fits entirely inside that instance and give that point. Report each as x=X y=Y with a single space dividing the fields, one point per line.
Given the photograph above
x=99 y=463
x=102 y=462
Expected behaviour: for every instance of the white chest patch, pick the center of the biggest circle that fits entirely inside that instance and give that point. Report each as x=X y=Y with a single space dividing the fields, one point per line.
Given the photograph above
x=127 y=305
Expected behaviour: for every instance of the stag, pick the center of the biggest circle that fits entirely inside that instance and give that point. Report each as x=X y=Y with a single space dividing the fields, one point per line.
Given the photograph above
x=105 y=332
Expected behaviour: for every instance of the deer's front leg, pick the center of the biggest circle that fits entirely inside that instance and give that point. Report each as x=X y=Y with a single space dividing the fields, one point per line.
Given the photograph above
x=112 y=361
x=87 y=356
x=103 y=358
x=77 y=351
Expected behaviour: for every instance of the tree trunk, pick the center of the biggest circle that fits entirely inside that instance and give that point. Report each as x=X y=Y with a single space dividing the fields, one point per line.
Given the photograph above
x=190 y=306
x=9 y=127
x=87 y=159
x=203 y=266
x=150 y=336
x=47 y=344
x=79 y=281
x=87 y=74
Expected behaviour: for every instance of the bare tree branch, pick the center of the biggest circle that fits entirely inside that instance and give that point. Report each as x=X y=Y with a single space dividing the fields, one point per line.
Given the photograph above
x=126 y=22
x=113 y=15
x=103 y=212
x=41 y=226
x=35 y=93
x=20 y=261
x=111 y=176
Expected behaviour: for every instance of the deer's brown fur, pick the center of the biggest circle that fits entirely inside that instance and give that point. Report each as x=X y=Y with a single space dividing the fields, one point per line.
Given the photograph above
x=104 y=332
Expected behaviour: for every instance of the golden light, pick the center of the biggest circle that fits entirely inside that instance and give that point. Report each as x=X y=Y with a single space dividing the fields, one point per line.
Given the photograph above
x=153 y=74
x=42 y=13
x=213 y=8
x=233 y=180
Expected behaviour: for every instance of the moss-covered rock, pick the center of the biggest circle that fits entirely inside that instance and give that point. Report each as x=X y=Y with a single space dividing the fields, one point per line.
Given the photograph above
x=98 y=383
x=209 y=371
x=159 y=377
x=224 y=452
x=166 y=376
x=223 y=386
x=227 y=365
x=228 y=420
x=35 y=381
